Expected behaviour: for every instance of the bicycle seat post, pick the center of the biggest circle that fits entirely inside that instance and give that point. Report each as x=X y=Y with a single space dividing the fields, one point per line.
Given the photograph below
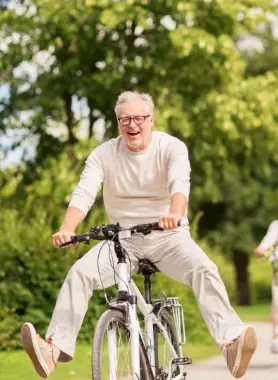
x=146 y=268
x=147 y=285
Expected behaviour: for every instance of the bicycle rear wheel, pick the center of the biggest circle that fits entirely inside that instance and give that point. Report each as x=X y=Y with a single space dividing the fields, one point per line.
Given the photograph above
x=111 y=351
x=162 y=353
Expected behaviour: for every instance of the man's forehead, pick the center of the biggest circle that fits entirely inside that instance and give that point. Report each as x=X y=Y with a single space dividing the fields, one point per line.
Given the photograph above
x=131 y=106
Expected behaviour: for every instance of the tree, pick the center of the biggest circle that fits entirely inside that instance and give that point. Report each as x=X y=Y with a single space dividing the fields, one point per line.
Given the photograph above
x=184 y=54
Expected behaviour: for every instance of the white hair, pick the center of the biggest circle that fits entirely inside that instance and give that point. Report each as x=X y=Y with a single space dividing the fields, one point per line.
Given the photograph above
x=129 y=95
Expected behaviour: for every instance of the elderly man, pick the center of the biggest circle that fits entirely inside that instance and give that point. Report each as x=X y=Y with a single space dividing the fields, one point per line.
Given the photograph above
x=146 y=178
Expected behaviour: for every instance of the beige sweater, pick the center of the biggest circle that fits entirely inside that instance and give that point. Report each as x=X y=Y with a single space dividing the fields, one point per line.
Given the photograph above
x=137 y=186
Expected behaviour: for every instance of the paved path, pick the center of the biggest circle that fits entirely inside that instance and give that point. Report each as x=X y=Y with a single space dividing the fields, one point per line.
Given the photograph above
x=263 y=366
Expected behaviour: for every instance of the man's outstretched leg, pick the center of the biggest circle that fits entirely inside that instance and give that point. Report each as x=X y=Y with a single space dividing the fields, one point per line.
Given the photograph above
x=180 y=258
x=70 y=309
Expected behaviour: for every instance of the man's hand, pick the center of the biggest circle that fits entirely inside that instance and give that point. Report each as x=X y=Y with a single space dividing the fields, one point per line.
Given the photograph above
x=259 y=252
x=61 y=237
x=169 y=222
x=72 y=218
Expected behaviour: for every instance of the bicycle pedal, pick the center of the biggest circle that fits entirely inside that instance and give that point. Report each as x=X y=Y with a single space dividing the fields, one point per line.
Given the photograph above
x=182 y=361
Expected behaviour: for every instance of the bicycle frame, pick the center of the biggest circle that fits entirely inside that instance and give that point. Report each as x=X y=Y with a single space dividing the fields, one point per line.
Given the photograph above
x=128 y=298
x=127 y=285
x=150 y=319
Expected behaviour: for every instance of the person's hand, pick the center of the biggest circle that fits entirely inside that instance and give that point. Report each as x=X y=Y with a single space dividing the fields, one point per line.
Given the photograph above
x=169 y=222
x=61 y=237
x=259 y=252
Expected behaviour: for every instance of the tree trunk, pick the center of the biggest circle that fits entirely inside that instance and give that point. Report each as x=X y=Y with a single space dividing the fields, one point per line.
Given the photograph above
x=91 y=123
x=241 y=262
x=69 y=113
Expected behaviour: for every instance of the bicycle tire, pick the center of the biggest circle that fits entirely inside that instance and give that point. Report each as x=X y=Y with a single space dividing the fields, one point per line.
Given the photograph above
x=166 y=320
x=108 y=317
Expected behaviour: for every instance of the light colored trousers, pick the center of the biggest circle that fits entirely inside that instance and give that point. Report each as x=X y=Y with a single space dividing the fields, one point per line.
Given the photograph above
x=275 y=307
x=175 y=254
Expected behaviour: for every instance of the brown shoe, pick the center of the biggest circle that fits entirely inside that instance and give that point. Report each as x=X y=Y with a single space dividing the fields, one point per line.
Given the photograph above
x=239 y=352
x=43 y=354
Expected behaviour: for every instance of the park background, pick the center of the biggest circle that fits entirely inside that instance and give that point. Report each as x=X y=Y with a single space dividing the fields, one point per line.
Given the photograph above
x=212 y=69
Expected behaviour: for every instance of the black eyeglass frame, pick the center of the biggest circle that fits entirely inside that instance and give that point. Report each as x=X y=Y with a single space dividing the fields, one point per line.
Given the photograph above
x=132 y=118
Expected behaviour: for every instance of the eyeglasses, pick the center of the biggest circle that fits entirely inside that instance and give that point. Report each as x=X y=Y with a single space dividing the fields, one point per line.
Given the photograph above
x=138 y=120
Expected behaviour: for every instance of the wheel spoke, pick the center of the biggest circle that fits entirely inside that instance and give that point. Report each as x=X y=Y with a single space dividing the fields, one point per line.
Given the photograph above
x=164 y=355
x=120 y=352
x=112 y=356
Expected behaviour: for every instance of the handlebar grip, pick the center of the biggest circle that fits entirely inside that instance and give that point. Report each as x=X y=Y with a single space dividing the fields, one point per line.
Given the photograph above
x=83 y=238
x=73 y=240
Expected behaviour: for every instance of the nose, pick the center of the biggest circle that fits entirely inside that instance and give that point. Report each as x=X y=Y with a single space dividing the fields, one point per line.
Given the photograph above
x=132 y=124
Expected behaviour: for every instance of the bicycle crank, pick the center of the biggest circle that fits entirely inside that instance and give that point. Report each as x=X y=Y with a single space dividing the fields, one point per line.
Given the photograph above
x=181 y=363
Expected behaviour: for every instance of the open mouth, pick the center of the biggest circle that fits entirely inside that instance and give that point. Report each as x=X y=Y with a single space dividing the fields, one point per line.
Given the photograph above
x=133 y=133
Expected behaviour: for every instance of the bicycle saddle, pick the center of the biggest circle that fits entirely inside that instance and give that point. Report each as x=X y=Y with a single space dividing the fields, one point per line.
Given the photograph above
x=146 y=267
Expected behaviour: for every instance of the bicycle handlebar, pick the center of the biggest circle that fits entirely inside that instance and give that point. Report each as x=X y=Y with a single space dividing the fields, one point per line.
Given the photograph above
x=111 y=231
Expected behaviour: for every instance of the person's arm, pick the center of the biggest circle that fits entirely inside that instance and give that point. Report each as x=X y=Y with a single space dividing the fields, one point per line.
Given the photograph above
x=178 y=173
x=84 y=194
x=72 y=218
x=82 y=199
x=177 y=210
x=270 y=239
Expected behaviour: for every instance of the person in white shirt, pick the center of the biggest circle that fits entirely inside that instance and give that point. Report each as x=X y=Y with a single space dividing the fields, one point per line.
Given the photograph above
x=271 y=239
x=146 y=178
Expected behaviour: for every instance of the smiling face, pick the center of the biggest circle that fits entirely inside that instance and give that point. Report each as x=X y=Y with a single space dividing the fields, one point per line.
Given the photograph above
x=135 y=123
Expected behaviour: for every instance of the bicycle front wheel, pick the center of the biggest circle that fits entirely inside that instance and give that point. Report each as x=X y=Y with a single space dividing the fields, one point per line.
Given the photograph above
x=111 y=352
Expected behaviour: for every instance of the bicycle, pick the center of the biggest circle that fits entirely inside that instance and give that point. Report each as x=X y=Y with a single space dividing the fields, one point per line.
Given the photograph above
x=153 y=353
x=272 y=255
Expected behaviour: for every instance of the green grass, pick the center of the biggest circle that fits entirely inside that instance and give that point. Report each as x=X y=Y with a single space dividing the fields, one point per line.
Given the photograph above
x=16 y=365
x=255 y=313
x=198 y=351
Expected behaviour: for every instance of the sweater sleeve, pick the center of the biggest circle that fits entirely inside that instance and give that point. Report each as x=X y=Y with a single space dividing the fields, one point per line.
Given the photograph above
x=84 y=194
x=271 y=236
x=178 y=169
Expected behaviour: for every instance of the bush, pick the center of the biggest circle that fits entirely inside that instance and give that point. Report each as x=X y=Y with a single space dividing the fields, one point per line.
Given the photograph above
x=260 y=278
x=32 y=272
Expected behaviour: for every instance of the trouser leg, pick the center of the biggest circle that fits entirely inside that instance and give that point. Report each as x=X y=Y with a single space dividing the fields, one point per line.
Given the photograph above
x=92 y=271
x=179 y=257
x=275 y=305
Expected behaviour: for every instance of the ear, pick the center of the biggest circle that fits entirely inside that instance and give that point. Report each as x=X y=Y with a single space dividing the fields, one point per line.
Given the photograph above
x=152 y=121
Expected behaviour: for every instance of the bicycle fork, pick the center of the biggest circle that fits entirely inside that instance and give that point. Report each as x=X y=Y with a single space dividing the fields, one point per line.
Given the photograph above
x=132 y=320
x=135 y=351
x=133 y=327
